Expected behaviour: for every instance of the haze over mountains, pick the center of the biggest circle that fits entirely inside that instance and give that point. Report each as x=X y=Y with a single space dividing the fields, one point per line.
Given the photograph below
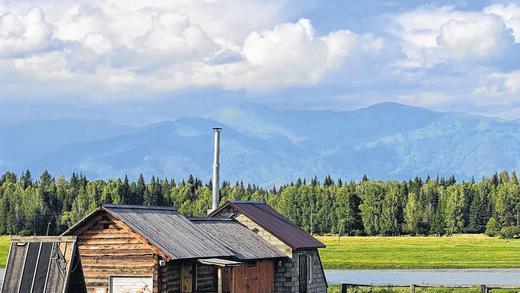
x=264 y=146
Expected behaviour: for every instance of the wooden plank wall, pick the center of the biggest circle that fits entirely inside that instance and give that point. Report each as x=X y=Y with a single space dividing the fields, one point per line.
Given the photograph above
x=108 y=249
x=170 y=278
x=206 y=278
x=254 y=279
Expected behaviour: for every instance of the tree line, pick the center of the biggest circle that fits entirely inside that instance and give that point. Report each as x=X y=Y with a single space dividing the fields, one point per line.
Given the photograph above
x=431 y=206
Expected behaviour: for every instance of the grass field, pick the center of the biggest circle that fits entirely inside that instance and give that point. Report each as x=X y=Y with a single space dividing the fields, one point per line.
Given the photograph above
x=5 y=242
x=459 y=251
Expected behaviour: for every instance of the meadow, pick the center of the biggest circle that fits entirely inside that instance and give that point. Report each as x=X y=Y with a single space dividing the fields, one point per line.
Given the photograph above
x=5 y=242
x=457 y=252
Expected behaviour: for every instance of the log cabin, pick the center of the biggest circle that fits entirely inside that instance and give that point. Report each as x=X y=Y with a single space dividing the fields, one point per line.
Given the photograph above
x=149 y=249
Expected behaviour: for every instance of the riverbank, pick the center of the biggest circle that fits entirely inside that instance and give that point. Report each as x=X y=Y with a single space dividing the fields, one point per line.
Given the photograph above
x=456 y=252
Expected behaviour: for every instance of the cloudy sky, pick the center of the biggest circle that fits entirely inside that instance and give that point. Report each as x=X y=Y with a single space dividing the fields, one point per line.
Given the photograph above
x=136 y=62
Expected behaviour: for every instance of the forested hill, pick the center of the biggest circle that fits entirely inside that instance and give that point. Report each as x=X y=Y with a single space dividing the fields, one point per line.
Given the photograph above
x=264 y=146
x=368 y=207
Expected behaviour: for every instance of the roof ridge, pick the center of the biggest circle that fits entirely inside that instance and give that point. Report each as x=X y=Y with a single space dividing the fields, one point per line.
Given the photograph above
x=209 y=219
x=237 y=201
x=141 y=207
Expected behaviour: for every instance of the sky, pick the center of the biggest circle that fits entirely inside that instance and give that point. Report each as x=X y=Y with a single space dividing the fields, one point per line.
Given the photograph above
x=138 y=62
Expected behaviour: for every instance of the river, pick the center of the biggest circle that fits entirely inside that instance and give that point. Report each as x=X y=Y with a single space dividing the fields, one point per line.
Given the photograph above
x=501 y=277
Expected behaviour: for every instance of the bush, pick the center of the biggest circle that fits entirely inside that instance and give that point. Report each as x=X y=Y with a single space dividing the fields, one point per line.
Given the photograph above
x=358 y=233
x=25 y=233
x=512 y=232
x=492 y=227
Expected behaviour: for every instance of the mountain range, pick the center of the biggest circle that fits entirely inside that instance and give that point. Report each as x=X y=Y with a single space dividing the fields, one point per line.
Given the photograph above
x=269 y=147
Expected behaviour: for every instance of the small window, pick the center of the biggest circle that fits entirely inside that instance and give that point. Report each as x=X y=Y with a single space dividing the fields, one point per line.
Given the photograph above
x=251 y=264
x=131 y=284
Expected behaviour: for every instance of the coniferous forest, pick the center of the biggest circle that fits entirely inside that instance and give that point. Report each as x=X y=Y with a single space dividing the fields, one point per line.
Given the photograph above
x=429 y=206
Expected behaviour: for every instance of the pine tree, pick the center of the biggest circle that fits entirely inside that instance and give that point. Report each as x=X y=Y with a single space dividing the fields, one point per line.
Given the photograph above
x=126 y=197
x=26 y=179
x=140 y=190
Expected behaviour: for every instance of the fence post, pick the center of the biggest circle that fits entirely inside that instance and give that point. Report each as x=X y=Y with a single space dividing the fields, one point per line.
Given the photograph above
x=344 y=288
x=484 y=289
x=412 y=288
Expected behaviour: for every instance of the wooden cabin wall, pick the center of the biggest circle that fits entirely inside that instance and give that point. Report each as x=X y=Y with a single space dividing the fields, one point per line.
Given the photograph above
x=207 y=280
x=170 y=278
x=254 y=277
x=107 y=249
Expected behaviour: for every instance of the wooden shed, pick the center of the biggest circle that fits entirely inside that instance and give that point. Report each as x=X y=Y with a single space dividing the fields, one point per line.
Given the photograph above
x=155 y=249
x=43 y=264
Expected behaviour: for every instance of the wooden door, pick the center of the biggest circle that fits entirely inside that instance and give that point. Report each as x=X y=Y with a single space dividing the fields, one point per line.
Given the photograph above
x=303 y=273
x=254 y=277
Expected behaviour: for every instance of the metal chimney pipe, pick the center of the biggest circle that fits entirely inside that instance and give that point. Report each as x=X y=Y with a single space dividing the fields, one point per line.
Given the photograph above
x=216 y=170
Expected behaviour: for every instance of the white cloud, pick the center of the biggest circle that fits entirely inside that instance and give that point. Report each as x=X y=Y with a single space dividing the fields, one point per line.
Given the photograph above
x=478 y=38
x=173 y=35
x=431 y=36
x=291 y=54
x=51 y=66
x=24 y=33
x=510 y=13
x=120 y=48
x=165 y=46
x=500 y=84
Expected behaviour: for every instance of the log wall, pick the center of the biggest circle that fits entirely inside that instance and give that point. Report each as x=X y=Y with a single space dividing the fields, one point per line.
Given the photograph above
x=109 y=249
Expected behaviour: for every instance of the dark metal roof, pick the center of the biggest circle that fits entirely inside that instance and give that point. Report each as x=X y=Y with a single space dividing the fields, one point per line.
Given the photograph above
x=164 y=228
x=275 y=223
x=244 y=243
x=169 y=231
x=43 y=264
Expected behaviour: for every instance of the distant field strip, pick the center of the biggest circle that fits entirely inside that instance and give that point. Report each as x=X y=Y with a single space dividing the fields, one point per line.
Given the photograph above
x=5 y=242
x=457 y=252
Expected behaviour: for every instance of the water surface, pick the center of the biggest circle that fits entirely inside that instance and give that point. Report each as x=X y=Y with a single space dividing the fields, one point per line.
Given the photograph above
x=499 y=277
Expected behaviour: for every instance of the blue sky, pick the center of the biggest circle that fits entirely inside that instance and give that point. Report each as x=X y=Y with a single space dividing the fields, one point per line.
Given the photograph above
x=144 y=61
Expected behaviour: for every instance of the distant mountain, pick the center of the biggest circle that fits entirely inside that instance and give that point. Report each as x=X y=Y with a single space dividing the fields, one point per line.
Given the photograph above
x=265 y=146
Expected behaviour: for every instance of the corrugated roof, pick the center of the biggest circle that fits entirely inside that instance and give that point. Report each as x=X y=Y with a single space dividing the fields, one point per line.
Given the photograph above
x=169 y=231
x=244 y=243
x=43 y=264
x=164 y=228
x=275 y=223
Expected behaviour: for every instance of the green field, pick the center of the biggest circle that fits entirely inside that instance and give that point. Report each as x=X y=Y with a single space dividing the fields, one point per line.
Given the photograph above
x=459 y=251
x=5 y=242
